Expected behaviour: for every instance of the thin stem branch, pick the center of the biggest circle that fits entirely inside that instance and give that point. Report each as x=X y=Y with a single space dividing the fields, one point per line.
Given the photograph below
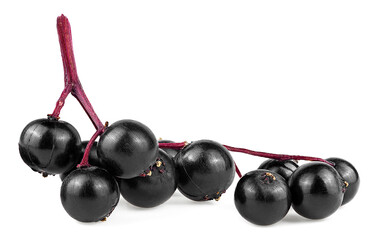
x=279 y=157
x=178 y=145
x=85 y=162
x=237 y=170
x=80 y=95
x=60 y=103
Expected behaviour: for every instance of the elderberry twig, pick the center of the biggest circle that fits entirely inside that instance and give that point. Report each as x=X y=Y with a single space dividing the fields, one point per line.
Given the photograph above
x=73 y=85
x=174 y=145
x=237 y=170
x=279 y=157
x=71 y=75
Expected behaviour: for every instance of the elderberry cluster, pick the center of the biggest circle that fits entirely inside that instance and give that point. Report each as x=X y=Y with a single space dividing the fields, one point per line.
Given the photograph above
x=128 y=160
x=202 y=170
x=315 y=190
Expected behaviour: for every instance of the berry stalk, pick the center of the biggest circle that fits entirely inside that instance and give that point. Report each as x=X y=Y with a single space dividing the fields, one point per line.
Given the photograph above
x=60 y=103
x=279 y=157
x=73 y=85
x=84 y=162
x=237 y=170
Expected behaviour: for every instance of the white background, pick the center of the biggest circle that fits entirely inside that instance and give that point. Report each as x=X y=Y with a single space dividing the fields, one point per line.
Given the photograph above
x=295 y=77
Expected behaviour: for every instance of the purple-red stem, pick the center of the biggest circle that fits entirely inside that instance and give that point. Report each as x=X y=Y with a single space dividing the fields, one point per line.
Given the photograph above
x=73 y=85
x=79 y=94
x=279 y=157
x=60 y=103
x=84 y=162
x=237 y=170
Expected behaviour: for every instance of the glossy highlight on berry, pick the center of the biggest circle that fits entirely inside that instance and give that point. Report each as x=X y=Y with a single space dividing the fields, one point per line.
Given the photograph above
x=284 y=168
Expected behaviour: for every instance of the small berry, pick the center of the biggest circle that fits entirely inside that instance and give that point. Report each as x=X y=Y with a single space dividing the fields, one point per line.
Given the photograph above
x=262 y=197
x=317 y=190
x=89 y=194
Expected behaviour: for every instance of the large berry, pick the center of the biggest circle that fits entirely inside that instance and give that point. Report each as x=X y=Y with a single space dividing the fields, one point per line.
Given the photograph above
x=205 y=169
x=127 y=148
x=262 y=197
x=50 y=146
x=317 y=190
x=89 y=194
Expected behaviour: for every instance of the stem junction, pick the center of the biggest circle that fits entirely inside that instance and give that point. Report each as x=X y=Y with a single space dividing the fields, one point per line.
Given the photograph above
x=72 y=85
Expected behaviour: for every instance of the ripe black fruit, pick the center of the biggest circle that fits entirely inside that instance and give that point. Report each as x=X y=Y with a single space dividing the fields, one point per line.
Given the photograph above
x=348 y=173
x=151 y=191
x=49 y=146
x=93 y=159
x=205 y=169
x=127 y=148
x=170 y=151
x=284 y=168
x=317 y=190
x=262 y=197
x=89 y=194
